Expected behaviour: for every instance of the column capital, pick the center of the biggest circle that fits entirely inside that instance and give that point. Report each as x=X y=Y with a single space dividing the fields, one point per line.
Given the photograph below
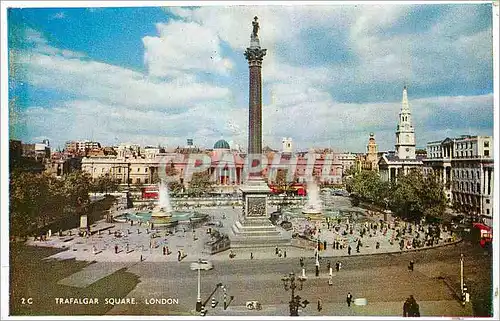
x=255 y=55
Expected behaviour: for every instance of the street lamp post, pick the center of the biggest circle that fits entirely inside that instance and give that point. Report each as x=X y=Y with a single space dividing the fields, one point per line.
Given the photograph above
x=198 y=297
x=295 y=302
x=462 y=273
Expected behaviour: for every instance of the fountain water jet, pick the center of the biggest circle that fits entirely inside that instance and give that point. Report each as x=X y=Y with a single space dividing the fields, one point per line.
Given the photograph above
x=313 y=205
x=162 y=214
x=164 y=198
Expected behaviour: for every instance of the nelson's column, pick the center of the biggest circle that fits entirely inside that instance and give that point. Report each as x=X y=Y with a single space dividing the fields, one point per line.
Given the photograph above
x=254 y=227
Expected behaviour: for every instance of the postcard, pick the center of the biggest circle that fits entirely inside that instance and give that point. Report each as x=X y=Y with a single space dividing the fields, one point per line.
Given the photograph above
x=206 y=160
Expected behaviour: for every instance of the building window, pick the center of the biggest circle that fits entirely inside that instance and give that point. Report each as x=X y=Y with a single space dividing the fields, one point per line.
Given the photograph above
x=488 y=211
x=486 y=144
x=478 y=187
x=138 y=169
x=472 y=187
x=487 y=201
x=486 y=153
x=138 y=181
x=119 y=170
x=146 y=170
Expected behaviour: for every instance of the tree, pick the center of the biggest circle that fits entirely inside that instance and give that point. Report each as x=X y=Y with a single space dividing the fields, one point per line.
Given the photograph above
x=175 y=187
x=200 y=183
x=368 y=186
x=415 y=196
x=77 y=186
x=282 y=181
x=104 y=184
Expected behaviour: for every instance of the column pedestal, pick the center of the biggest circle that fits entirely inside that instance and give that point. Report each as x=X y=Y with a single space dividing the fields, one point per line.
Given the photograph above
x=254 y=229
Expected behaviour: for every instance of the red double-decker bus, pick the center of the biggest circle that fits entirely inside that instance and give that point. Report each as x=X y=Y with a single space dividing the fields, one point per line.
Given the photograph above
x=150 y=192
x=295 y=189
x=482 y=233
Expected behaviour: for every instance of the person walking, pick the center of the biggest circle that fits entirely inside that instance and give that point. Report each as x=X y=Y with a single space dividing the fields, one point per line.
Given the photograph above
x=337 y=266
x=276 y=250
x=251 y=255
x=349 y=299
x=349 y=250
x=301 y=262
x=320 y=305
x=410 y=265
x=116 y=249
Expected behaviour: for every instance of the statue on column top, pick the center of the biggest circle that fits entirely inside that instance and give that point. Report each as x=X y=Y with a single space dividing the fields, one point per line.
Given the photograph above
x=255 y=27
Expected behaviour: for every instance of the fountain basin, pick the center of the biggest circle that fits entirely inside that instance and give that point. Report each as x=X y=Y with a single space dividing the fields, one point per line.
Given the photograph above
x=173 y=218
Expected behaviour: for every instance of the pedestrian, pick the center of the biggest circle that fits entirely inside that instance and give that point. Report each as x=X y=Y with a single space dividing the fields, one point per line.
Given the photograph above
x=284 y=253
x=280 y=253
x=179 y=256
x=320 y=305
x=127 y=247
x=337 y=266
x=116 y=249
x=301 y=262
x=357 y=248
x=324 y=245
x=141 y=257
x=410 y=265
x=251 y=255
x=328 y=266
x=377 y=246
x=349 y=299
x=164 y=250
x=349 y=250
x=277 y=250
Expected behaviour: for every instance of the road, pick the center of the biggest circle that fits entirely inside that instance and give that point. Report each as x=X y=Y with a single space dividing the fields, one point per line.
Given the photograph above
x=378 y=278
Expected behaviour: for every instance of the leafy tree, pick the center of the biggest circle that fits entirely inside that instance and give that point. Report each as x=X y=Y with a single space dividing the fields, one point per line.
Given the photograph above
x=175 y=187
x=200 y=183
x=368 y=186
x=77 y=186
x=104 y=184
x=415 y=196
x=155 y=178
x=282 y=181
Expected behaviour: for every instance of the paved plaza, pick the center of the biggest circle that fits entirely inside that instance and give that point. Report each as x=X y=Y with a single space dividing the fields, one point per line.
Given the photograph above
x=140 y=242
x=378 y=275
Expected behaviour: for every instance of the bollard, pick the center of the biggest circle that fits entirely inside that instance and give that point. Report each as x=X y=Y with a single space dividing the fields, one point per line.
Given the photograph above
x=303 y=273
x=214 y=303
x=331 y=271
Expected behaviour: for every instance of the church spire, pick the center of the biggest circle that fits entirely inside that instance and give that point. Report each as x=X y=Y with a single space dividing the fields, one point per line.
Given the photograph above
x=405 y=133
x=405 y=107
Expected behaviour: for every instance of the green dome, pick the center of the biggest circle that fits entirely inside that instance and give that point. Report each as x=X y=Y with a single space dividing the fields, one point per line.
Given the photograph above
x=221 y=144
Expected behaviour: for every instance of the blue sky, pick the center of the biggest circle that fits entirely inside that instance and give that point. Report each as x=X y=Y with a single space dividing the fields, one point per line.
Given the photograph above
x=332 y=75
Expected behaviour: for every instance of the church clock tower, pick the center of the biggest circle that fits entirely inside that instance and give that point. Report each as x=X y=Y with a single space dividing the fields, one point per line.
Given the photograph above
x=405 y=133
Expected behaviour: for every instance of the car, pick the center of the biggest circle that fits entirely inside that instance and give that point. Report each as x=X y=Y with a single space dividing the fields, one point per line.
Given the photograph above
x=203 y=265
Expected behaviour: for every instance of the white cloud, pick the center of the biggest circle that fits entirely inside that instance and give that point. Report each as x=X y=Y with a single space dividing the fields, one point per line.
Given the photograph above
x=171 y=103
x=184 y=47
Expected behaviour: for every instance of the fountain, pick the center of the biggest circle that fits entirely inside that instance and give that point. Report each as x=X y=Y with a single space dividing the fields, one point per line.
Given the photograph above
x=162 y=214
x=313 y=207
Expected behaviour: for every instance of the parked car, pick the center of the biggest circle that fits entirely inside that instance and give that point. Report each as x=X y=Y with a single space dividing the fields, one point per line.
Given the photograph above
x=204 y=265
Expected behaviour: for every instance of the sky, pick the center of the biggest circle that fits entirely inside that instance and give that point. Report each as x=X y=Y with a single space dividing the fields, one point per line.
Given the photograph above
x=332 y=74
